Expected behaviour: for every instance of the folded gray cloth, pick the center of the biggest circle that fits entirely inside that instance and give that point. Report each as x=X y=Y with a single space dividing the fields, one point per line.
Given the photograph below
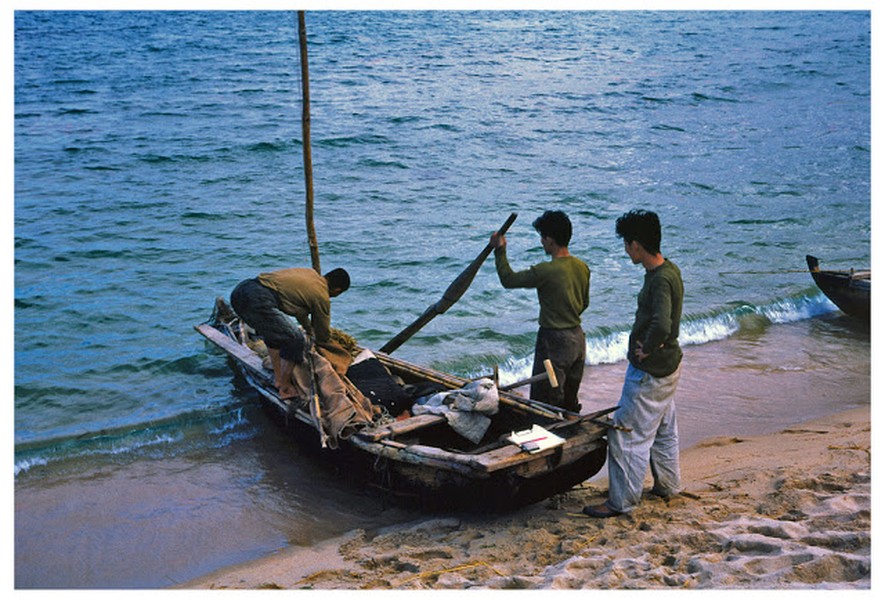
x=466 y=409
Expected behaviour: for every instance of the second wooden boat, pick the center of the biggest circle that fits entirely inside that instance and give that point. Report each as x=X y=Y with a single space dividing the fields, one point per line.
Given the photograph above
x=849 y=290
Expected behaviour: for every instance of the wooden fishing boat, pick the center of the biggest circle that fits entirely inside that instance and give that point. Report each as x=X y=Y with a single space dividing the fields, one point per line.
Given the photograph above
x=849 y=290
x=525 y=450
x=421 y=457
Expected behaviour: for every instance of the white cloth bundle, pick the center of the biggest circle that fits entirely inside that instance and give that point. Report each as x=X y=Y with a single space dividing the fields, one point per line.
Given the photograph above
x=466 y=410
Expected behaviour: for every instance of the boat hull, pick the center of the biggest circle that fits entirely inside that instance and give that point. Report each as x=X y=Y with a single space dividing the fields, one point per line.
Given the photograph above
x=848 y=290
x=438 y=487
x=420 y=460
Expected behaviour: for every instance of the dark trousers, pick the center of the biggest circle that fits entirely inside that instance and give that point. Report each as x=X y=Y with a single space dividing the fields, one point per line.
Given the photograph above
x=259 y=307
x=566 y=349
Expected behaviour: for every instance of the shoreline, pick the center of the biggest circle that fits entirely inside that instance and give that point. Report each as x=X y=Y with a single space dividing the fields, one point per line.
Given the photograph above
x=783 y=510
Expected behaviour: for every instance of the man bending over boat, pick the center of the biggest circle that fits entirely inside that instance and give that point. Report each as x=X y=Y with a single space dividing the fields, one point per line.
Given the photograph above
x=646 y=415
x=266 y=302
x=563 y=285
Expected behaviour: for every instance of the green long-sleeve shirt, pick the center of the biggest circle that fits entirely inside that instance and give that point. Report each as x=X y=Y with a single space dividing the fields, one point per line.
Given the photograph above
x=563 y=286
x=656 y=326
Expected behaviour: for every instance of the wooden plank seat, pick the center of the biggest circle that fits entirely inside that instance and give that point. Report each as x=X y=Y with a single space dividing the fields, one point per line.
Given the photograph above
x=400 y=427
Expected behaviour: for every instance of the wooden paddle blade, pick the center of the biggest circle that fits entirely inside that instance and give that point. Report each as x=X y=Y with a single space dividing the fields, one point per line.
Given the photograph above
x=457 y=288
x=409 y=331
x=452 y=294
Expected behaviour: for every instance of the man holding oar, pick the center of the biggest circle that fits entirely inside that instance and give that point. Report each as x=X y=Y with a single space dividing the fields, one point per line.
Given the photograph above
x=645 y=422
x=563 y=285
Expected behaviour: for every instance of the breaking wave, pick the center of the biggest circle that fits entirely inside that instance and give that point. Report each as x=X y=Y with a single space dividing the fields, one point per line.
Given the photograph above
x=609 y=346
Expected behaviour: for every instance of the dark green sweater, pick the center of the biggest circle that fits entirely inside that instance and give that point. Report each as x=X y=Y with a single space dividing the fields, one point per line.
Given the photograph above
x=658 y=314
x=563 y=286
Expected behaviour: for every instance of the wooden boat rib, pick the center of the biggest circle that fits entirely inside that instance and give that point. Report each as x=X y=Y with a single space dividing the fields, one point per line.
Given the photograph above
x=849 y=290
x=421 y=457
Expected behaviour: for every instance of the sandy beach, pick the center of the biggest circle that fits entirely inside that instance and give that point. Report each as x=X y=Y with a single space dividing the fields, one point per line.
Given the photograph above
x=787 y=510
x=777 y=495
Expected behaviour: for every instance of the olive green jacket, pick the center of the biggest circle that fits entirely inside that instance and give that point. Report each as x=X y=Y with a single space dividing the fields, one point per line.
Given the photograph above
x=563 y=286
x=656 y=326
x=304 y=294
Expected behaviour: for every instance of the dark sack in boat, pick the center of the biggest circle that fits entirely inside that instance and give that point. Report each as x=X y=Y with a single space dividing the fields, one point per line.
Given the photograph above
x=378 y=385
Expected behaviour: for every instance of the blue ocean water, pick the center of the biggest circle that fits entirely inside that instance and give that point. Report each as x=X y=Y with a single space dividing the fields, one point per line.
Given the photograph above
x=158 y=162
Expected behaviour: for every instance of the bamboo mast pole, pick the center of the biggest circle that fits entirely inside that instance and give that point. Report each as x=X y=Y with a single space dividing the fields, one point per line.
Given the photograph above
x=308 y=159
x=315 y=407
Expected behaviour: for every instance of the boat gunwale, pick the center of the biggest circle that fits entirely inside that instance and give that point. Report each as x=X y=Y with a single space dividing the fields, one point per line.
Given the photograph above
x=506 y=456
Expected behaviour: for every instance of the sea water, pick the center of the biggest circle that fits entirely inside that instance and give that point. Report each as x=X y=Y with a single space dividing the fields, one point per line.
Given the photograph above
x=158 y=162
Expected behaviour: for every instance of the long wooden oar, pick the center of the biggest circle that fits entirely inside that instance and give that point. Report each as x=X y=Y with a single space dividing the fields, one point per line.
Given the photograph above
x=449 y=297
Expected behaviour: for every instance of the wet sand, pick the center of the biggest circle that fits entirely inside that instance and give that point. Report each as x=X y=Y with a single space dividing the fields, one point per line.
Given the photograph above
x=777 y=494
x=789 y=510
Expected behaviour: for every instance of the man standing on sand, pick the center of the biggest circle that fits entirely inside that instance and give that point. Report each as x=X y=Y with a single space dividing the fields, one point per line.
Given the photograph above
x=646 y=415
x=563 y=285
x=265 y=303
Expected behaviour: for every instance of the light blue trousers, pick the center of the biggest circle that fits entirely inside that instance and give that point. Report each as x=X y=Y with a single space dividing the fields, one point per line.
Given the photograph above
x=648 y=409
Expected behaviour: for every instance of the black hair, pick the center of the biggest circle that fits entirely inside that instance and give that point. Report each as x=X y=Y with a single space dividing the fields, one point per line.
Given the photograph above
x=554 y=224
x=338 y=279
x=642 y=226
